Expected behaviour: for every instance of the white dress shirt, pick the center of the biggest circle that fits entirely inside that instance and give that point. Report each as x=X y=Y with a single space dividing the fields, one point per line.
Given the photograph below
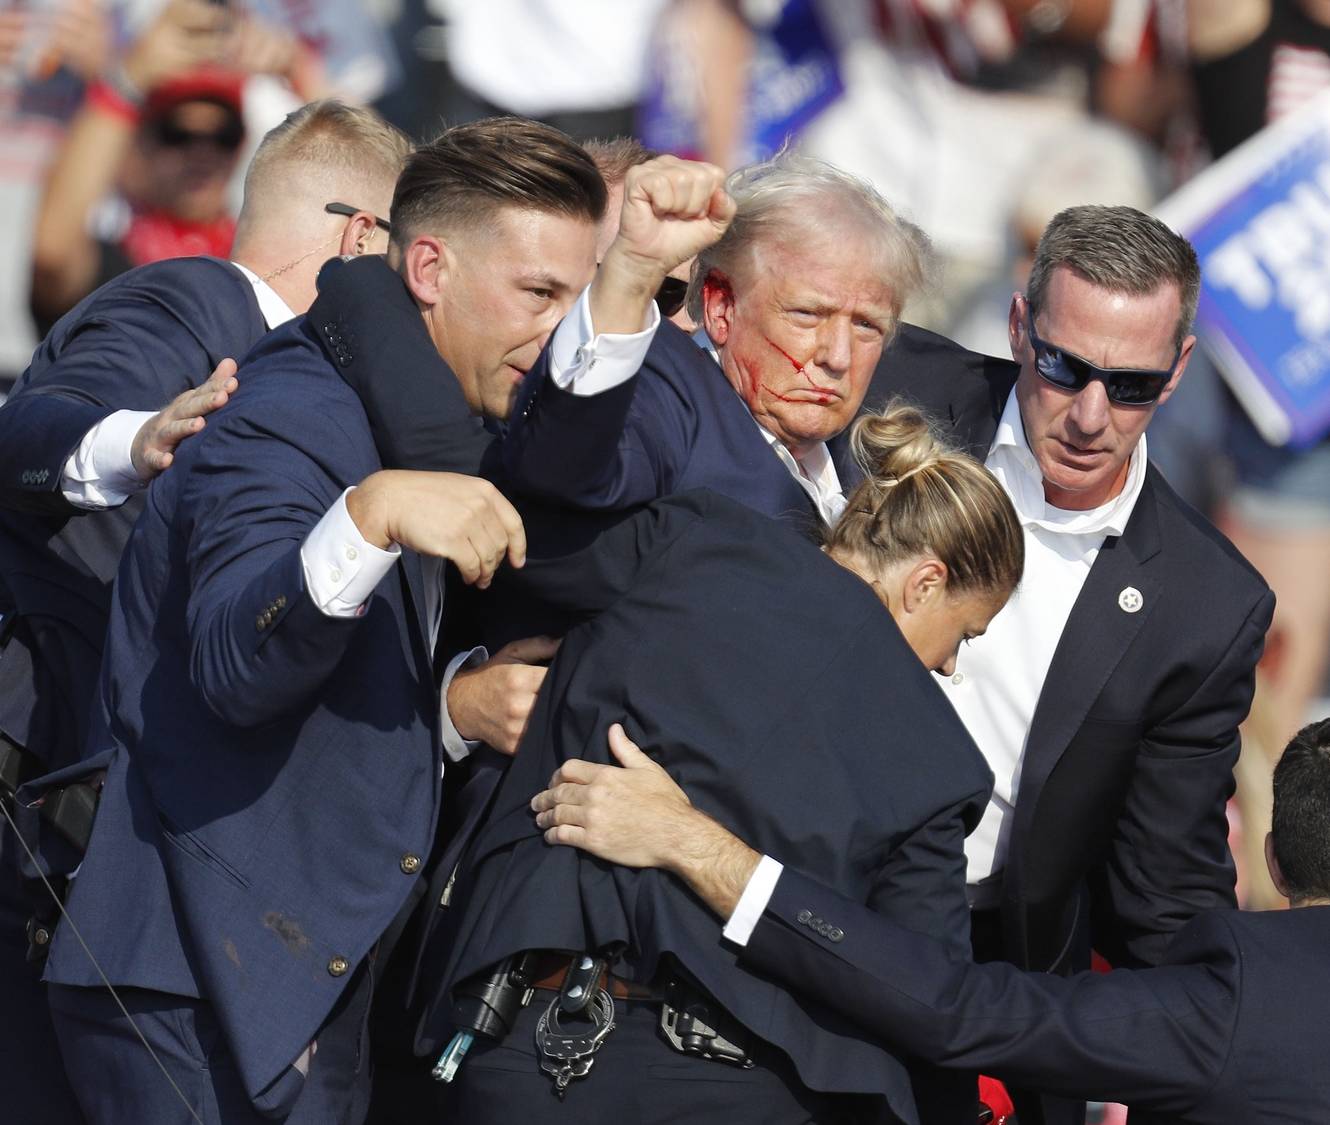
x=100 y=473
x=999 y=676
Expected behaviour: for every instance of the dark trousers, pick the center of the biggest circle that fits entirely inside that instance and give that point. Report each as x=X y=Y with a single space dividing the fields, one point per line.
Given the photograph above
x=636 y=1078
x=33 y=1087
x=118 y=1083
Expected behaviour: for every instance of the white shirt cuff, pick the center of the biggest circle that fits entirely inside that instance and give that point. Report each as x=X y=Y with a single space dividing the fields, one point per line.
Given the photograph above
x=100 y=472
x=761 y=886
x=587 y=364
x=454 y=745
x=341 y=567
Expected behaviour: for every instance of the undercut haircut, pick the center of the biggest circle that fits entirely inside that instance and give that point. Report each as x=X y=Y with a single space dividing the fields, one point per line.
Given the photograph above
x=921 y=497
x=617 y=156
x=1301 y=821
x=460 y=179
x=1121 y=250
x=777 y=200
x=329 y=136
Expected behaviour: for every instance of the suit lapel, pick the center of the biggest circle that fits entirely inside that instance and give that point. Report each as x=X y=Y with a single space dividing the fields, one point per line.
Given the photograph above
x=1095 y=638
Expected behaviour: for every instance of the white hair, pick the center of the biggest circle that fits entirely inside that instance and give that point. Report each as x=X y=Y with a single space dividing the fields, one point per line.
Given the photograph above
x=791 y=192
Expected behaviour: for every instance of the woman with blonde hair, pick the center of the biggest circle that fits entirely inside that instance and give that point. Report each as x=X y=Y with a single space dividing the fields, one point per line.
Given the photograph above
x=787 y=689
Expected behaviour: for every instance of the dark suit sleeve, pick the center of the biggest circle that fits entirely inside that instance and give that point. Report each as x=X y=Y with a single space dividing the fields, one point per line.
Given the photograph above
x=134 y=345
x=590 y=580
x=1169 y=858
x=372 y=332
x=1155 y=1038
x=131 y=362
x=259 y=646
x=614 y=450
x=922 y=887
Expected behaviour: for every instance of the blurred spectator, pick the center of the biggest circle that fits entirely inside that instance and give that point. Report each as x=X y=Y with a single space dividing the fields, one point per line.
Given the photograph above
x=46 y=51
x=949 y=103
x=578 y=65
x=1256 y=61
x=144 y=170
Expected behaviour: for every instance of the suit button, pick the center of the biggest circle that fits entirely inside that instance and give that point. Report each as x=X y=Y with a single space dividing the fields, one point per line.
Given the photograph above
x=280 y=603
x=261 y=622
x=337 y=966
x=410 y=864
x=804 y=917
x=836 y=933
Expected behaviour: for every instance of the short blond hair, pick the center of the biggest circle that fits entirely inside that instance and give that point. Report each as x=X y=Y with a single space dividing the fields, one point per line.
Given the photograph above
x=332 y=137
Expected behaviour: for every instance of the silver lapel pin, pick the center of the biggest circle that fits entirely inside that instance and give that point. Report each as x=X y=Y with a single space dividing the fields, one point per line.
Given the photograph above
x=1130 y=600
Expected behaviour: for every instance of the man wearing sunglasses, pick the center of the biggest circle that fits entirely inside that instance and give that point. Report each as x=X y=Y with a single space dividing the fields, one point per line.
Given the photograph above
x=1107 y=694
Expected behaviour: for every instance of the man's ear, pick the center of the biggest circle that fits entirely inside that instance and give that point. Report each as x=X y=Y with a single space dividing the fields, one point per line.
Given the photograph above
x=1016 y=332
x=425 y=266
x=717 y=307
x=1184 y=356
x=1272 y=865
x=924 y=584
x=357 y=234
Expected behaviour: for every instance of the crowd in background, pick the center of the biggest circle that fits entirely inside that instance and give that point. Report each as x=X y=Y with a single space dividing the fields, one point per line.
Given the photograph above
x=126 y=127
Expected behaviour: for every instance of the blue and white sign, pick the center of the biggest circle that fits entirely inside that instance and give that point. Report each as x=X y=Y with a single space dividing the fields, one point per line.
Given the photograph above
x=1260 y=221
x=793 y=76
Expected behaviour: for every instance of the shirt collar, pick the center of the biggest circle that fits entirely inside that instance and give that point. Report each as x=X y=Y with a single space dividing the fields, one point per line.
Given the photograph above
x=276 y=312
x=1012 y=462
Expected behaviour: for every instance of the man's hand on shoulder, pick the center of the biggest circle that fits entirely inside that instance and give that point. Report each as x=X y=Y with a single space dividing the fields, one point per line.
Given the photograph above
x=154 y=445
x=492 y=702
x=445 y=515
x=672 y=209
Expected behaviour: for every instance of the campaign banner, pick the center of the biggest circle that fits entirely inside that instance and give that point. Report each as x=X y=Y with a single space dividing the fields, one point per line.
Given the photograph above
x=1260 y=221
x=793 y=75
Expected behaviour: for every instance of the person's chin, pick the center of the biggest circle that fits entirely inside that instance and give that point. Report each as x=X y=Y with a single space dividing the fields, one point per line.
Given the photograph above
x=816 y=421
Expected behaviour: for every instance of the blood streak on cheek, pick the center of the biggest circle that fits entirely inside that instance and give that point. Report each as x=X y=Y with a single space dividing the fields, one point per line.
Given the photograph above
x=799 y=369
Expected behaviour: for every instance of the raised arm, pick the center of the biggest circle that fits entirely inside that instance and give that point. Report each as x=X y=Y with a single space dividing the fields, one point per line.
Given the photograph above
x=577 y=435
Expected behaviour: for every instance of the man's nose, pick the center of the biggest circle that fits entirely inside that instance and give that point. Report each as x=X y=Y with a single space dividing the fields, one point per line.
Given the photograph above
x=1091 y=410
x=834 y=346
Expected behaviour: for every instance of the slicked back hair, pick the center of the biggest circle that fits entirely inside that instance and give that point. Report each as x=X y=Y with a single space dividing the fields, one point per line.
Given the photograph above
x=1121 y=250
x=461 y=178
x=1301 y=822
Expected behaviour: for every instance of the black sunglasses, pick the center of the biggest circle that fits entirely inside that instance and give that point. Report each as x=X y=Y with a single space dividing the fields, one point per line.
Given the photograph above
x=670 y=296
x=229 y=136
x=1127 y=386
x=347 y=210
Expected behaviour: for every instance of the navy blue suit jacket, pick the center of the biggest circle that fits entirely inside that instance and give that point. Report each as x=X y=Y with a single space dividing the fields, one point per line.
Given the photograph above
x=134 y=344
x=1228 y=1029
x=676 y=425
x=775 y=686
x=270 y=766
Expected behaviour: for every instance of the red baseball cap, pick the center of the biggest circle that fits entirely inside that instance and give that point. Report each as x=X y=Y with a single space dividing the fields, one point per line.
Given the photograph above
x=210 y=84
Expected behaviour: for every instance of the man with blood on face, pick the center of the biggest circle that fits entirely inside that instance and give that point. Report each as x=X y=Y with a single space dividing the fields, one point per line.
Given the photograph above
x=796 y=299
x=799 y=326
